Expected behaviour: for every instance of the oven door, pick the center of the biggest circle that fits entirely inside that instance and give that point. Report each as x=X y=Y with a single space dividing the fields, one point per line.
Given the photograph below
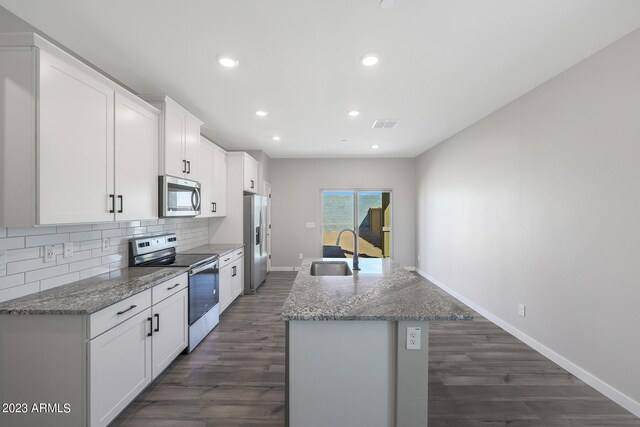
x=178 y=197
x=203 y=290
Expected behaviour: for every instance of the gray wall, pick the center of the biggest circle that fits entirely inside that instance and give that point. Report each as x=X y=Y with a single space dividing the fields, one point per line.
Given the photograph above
x=296 y=200
x=539 y=204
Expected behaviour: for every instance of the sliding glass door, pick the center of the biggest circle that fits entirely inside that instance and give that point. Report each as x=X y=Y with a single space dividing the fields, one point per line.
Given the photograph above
x=367 y=212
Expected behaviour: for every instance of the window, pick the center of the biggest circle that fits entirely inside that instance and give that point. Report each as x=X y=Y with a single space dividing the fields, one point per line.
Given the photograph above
x=368 y=211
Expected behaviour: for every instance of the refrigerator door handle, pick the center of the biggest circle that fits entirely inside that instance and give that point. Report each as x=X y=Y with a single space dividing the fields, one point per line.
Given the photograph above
x=260 y=233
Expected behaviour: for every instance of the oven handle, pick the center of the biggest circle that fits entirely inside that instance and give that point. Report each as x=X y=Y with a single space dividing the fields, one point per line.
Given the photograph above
x=213 y=265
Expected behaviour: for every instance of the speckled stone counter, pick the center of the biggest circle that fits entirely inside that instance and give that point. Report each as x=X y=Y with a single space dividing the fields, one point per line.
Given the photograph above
x=381 y=290
x=93 y=294
x=214 y=249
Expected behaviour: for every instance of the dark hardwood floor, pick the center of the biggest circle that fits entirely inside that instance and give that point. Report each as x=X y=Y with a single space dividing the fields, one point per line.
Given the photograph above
x=479 y=376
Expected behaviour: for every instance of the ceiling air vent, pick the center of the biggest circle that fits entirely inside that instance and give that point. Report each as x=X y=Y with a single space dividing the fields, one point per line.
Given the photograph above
x=384 y=124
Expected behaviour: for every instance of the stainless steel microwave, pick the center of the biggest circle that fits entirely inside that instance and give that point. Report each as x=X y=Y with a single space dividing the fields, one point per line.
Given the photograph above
x=178 y=197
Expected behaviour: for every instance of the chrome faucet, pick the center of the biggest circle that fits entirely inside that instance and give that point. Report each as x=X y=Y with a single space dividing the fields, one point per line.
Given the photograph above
x=355 y=246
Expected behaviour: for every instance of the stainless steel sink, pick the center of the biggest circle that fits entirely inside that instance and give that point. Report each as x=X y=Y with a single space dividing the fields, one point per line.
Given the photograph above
x=330 y=268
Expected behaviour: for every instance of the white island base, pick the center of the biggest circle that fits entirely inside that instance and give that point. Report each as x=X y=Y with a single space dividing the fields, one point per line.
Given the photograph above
x=356 y=373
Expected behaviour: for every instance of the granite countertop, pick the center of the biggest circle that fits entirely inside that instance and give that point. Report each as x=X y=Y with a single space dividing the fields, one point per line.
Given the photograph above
x=382 y=290
x=93 y=294
x=214 y=248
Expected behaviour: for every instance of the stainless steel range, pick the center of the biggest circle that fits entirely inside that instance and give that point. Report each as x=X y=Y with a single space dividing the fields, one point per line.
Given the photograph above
x=204 y=311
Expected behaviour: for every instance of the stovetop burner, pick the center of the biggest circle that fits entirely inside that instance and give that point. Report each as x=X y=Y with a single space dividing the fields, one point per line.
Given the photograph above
x=161 y=251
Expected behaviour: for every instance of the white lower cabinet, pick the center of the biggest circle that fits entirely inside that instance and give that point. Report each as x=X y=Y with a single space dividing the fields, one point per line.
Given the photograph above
x=226 y=287
x=238 y=276
x=171 y=330
x=231 y=279
x=126 y=358
x=120 y=367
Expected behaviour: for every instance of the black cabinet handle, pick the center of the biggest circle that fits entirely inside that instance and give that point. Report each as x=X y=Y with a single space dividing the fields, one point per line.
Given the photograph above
x=234 y=271
x=215 y=206
x=226 y=259
x=184 y=166
x=121 y=203
x=113 y=203
x=174 y=286
x=251 y=183
x=128 y=309
x=157 y=329
x=150 y=320
x=189 y=166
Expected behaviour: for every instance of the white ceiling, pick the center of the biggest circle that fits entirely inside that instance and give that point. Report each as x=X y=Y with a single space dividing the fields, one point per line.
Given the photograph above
x=444 y=64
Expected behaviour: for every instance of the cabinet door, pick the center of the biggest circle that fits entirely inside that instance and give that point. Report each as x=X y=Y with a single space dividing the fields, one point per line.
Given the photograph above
x=119 y=367
x=226 y=287
x=219 y=195
x=75 y=144
x=136 y=142
x=170 y=333
x=238 y=279
x=192 y=143
x=205 y=163
x=250 y=173
x=174 y=135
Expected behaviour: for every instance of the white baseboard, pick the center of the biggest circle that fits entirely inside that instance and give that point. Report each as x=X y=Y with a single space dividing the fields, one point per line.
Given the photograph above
x=611 y=392
x=285 y=269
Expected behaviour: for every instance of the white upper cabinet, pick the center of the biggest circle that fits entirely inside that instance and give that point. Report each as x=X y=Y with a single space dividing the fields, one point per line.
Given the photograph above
x=244 y=169
x=179 y=139
x=136 y=154
x=250 y=173
x=76 y=147
x=219 y=194
x=213 y=179
x=206 y=177
x=191 y=143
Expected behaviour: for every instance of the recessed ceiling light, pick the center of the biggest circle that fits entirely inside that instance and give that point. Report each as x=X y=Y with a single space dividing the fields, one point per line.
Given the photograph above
x=369 y=60
x=275 y=138
x=354 y=113
x=375 y=146
x=343 y=140
x=261 y=113
x=228 y=62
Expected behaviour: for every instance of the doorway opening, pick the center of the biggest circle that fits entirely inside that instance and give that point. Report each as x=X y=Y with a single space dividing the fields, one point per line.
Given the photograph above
x=368 y=212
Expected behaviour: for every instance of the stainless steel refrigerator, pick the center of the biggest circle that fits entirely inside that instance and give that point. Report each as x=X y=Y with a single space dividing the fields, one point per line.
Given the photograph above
x=255 y=244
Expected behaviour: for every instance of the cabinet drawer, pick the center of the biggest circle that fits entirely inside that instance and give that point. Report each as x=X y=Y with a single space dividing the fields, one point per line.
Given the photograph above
x=170 y=287
x=225 y=259
x=115 y=314
x=238 y=253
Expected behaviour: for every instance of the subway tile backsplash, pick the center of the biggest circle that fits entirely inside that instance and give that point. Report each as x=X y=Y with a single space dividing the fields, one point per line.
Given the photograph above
x=26 y=272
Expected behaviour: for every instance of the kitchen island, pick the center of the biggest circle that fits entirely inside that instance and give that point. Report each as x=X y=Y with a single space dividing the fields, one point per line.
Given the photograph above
x=348 y=361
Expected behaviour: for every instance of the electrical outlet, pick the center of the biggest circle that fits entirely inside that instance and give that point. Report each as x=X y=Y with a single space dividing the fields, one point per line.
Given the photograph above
x=413 y=338
x=68 y=250
x=522 y=310
x=418 y=257
x=3 y=259
x=105 y=243
x=300 y=256
x=49 y=253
